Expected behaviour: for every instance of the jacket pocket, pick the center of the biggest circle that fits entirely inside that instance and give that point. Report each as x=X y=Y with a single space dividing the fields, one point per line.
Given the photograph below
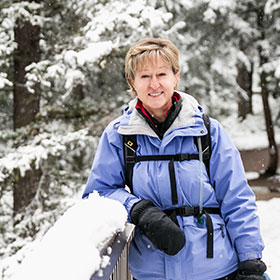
x=224 y=255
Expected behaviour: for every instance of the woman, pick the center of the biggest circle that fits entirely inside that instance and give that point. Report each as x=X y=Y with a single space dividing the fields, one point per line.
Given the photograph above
x=191 y=222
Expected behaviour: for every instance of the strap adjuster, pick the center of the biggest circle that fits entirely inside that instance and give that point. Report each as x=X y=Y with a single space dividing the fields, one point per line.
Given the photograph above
x=131 y=159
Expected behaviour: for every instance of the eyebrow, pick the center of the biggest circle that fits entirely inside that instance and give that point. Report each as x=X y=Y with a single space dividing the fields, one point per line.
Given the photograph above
x=160 y=69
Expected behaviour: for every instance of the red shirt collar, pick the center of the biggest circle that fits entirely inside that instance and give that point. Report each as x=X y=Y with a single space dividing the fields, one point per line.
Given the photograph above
x=176 y=97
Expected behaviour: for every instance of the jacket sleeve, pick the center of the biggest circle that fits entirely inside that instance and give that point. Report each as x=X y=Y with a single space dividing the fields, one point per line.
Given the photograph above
x=236 y=198
x=107 y=172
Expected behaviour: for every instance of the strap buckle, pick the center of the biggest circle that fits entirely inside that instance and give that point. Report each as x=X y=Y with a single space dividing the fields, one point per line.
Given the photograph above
x=188 y=211
x=182 y=157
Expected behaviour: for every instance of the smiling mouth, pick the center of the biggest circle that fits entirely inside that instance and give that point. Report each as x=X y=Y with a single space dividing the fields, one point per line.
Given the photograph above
x=155 y=94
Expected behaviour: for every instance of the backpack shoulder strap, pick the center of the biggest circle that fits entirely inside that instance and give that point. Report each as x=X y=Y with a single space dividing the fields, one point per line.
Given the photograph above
x=206 y=143
x=129 y=154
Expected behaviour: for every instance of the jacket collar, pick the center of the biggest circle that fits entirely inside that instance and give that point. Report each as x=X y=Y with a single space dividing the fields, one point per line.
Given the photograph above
x=161 y=127
x=138 y=125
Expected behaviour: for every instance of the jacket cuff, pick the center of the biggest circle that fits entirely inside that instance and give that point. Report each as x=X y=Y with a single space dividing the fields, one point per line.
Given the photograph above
x=129 y=204
x=249 y=256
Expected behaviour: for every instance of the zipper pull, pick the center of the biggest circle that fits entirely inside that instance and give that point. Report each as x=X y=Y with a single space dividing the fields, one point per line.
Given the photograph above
x=222 y=230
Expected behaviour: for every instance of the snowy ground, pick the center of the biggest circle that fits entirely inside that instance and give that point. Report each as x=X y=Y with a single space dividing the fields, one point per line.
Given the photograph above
x=269 y=212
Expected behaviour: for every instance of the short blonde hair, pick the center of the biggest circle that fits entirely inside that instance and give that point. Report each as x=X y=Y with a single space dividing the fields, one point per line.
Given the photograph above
x=147 y=51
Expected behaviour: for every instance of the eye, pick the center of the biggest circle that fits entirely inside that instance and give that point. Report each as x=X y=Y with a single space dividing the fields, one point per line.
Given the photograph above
x=144 y=76
x=162 y=74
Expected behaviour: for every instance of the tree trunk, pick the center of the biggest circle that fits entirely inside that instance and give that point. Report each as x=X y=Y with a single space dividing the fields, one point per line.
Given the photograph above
x=244 y=80
x=24 y=189
x=273 y=150
x=26 y=105
x=78 y=92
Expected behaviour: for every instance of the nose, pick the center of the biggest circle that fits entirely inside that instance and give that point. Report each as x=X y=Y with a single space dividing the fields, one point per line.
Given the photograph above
x=154 y=84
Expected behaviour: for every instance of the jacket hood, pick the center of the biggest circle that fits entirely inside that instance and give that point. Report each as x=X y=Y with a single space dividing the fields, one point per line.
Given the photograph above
x=134 y=123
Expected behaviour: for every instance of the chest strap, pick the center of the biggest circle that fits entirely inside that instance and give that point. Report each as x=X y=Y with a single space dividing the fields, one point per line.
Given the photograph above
x=186 y=211
x=176 y=157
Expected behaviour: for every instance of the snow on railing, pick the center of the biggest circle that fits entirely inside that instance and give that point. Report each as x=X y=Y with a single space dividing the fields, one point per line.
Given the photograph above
x=116 y=250
x=88 y=238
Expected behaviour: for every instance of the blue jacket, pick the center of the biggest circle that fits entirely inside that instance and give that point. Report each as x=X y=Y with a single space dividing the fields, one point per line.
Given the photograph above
x=236 y=232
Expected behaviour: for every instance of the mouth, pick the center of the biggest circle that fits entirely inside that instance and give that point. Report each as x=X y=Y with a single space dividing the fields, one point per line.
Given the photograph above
x=155 y=94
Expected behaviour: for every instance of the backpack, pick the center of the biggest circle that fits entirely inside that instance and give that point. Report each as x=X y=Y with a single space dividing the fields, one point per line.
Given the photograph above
x=130 y=158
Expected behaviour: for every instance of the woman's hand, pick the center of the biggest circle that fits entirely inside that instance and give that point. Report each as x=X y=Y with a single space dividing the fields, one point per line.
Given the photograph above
x=251 y=270
x=158 y=227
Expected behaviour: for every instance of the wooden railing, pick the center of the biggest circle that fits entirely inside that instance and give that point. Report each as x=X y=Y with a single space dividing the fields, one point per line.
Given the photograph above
x=117 y=251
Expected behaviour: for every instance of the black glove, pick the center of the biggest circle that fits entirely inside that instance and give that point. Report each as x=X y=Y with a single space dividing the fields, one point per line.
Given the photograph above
x=158 y=227
x=251 y=270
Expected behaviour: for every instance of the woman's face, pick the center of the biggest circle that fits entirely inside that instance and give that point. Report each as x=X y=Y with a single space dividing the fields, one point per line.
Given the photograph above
x=154 y=85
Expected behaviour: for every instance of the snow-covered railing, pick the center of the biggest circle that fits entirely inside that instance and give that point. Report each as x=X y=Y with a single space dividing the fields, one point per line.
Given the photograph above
x=89 y=241
x=117 y=250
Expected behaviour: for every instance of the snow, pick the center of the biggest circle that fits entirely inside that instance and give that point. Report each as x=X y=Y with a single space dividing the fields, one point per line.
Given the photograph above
x=209 y=16
x=251 y=133
x=269 y=212
x=93 y=52
x=3 y=80
x=70 y=249
x=277 y=71
x=22 y=157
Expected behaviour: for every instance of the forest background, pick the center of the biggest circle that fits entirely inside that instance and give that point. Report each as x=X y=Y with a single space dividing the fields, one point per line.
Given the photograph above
x=62 y=81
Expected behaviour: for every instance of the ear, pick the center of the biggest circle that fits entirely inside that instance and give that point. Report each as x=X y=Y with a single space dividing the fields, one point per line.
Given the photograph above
x=177 y=77
x=131 y=82
x=132 y=88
